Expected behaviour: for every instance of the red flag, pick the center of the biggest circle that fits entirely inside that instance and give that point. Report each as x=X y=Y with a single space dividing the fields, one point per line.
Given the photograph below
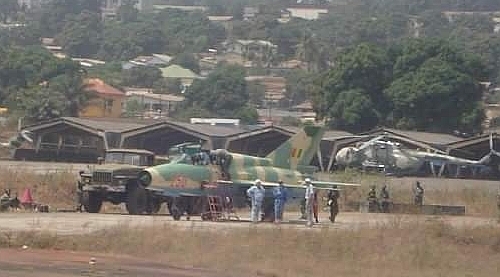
x=26 y=198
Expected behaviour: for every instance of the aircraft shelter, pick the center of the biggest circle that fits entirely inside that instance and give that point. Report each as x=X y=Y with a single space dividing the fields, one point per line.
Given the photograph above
x=72 y=139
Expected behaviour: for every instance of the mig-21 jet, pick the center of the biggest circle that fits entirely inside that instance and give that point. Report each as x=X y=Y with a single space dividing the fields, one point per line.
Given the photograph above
x=180 y=182
x=393 y=158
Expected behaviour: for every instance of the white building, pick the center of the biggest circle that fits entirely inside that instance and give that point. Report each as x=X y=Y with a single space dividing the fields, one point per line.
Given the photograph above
x=307 y=12
x=32 y=4
x=110 y=7
x=155 y=105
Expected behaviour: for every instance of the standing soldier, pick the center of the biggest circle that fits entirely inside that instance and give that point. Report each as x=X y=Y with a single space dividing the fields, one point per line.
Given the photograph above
x=418 y=194
x=309 y=199
x=280 y=197
x=256 y=194
x=315 y=206
x=5 y=200
x=79 y=193
x=384 y=194
x=372 y=200
x=6 y=195
x=303 y=209
x=333 y=196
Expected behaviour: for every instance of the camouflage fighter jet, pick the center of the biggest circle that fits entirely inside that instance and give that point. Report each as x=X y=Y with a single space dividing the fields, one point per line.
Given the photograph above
x=180 y=182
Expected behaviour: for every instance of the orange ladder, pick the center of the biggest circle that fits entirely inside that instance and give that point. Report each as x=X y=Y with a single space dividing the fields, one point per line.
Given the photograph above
x=215 y=209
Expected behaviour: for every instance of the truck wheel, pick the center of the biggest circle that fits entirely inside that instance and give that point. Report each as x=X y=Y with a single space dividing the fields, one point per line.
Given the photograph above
x=91 y=201
x=154 y=206
x=136 y=199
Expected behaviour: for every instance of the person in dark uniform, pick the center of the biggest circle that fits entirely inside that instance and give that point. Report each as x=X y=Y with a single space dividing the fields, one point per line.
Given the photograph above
x=385 y=202
x=372 y=200
x=333 y=196
x=418 y=194
x=79 y=194
x=316 y=206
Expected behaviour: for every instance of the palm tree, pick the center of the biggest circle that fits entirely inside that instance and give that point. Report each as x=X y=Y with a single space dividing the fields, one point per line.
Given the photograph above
x=308 y=51
x=75 y=90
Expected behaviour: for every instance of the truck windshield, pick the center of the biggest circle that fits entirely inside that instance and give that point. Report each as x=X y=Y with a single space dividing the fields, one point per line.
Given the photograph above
x=129 y=158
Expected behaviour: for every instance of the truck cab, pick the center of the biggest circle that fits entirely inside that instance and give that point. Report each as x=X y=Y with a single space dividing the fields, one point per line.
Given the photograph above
x=115 y=179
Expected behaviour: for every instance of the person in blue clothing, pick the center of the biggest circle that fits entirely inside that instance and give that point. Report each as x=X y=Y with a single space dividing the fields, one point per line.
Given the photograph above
x=280 y=195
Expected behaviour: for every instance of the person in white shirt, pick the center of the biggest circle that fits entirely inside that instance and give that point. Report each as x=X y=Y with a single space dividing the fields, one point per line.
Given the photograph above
x=309 y=196
x=256 y=194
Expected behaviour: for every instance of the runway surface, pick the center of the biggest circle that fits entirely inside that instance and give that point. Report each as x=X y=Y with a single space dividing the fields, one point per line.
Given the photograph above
x=44 y=263
x=78 y=223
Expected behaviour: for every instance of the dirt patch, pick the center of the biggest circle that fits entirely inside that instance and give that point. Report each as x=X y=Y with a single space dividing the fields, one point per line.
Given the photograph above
x=42 y=263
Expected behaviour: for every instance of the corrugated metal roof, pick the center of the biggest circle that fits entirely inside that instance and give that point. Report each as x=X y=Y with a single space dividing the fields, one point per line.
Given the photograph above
x=211 y=130
x=106 y=124
x=176 y=71
x=427 y=137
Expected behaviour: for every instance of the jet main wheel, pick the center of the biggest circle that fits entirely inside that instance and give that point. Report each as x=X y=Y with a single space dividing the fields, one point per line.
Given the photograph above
x=137 y=199
x=174 y=211
x=91 y=201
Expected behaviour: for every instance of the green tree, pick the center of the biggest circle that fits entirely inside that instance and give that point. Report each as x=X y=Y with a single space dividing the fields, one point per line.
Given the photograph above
x=20 y=36
x=366 y=68
x=117 y=45
x=35 y=83
x=299 y=85
x=52 y=16
x=190 y=31
x=256 y=93
x=8 y=10
x=81 y=35
x=426 y=85
x=188 y=112
x=133 y=108
x=223 y=92
x=308 y=50
x=39 y=103
x=110 y=73
x=173 y=86
x=141 y=76
x=127 y=12
x=435 y=97
x=74 y=90
x=187 y=60
x=248 y=115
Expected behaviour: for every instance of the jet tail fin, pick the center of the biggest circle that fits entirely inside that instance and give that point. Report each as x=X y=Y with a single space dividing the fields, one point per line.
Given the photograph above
x=299 y=149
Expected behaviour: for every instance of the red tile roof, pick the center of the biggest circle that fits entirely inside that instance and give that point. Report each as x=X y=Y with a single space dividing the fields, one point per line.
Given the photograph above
x=100 y=87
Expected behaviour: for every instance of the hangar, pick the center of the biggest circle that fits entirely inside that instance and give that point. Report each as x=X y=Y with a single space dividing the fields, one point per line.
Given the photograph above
x=72 y=139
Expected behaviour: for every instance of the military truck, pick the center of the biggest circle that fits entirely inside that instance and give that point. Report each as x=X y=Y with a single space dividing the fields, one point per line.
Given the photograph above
x=115 y=179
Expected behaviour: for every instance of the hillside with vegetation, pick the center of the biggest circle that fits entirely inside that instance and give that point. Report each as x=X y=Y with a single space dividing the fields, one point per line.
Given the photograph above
x=402 y=64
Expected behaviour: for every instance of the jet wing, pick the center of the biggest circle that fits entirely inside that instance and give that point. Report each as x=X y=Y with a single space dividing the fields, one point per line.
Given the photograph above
x=177 y=192
x=317 y=184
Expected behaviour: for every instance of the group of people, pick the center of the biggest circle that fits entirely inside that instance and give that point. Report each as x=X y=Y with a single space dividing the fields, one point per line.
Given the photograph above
x=383 y=204
x=309 y=208
x=373 y=201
